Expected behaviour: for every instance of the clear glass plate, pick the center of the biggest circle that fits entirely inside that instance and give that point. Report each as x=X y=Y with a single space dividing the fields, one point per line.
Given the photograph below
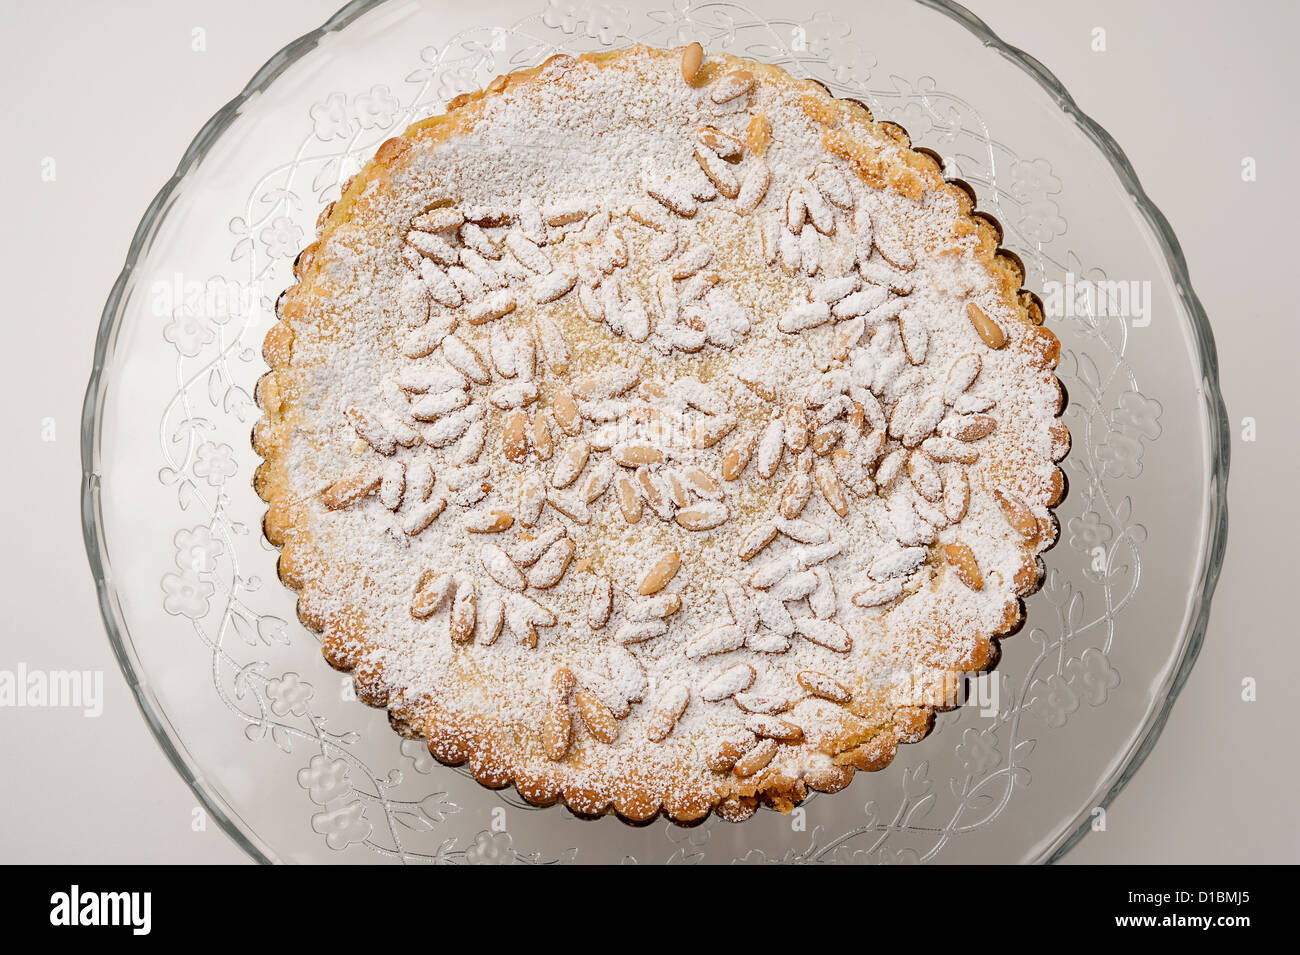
x=235 y=688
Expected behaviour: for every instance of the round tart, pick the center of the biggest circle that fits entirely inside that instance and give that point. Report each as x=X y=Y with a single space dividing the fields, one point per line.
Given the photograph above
x=658 y=433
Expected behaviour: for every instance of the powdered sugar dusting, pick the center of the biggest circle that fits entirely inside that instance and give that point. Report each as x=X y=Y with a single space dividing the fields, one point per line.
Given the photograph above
x=573 y=313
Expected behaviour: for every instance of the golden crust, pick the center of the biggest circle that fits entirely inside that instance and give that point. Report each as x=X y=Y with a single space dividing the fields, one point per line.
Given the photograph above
x=498 y=755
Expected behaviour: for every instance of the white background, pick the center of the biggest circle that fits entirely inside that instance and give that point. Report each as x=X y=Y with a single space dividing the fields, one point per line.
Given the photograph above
x=115 y=93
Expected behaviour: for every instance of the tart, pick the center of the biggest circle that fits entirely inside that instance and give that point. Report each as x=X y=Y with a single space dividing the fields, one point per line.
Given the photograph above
x=657 y=433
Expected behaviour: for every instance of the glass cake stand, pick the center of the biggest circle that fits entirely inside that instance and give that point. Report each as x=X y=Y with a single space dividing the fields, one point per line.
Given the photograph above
x=266 y=734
